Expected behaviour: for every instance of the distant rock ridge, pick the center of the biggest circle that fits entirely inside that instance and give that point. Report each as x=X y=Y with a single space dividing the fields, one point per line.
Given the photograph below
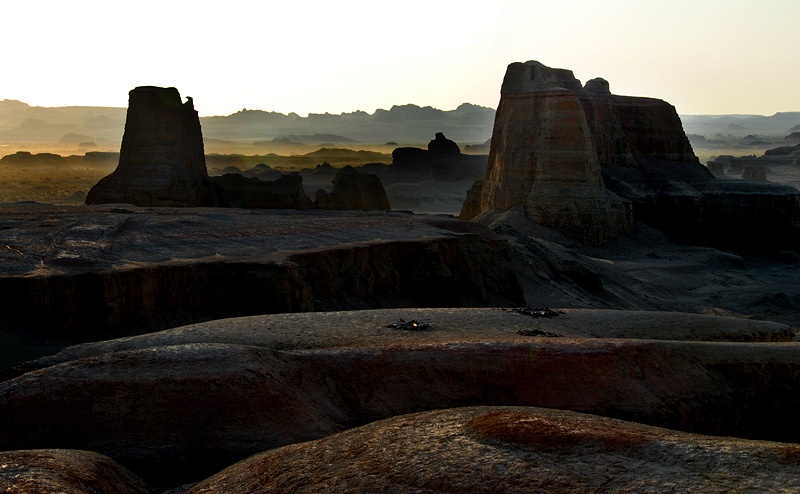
x=587 y=162
x=162 y=162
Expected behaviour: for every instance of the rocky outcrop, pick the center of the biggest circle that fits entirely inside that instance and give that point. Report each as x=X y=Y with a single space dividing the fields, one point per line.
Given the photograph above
x=161 y=407
x=442 y=146
x=757 y=173
x=586 y=162
x=66 y=471
x=543 y=156
x=285 y=192
x=24 y=159
x=472 y=204
x=513 y=449
x=104 y=270
x=162 y=162
x=353 y=190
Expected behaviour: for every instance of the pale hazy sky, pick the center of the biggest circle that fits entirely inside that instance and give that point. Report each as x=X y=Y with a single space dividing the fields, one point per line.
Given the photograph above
x=703 y=56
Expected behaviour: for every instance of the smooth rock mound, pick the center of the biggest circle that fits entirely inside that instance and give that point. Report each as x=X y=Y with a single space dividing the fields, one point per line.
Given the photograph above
x=513 y=449
x=66 y=471
x=162 y=162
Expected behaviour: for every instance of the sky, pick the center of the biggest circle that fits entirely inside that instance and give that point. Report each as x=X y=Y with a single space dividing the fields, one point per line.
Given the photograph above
x=703 y=56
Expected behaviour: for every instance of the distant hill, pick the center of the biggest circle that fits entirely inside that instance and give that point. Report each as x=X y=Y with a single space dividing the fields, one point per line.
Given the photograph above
x=780 y=124
x=406 y=123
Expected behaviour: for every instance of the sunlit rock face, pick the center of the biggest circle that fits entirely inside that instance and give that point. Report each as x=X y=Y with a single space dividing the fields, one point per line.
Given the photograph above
x=543 y=156
x=587 y=162
x=161 y=162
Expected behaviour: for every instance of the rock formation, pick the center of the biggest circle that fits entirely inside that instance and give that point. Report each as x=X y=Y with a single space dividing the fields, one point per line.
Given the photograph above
x=586 y=162
x=513 y=449
x=285 y=192
x=442 y=146
x=162 y=162
x=66 y=471
x=472 y=204
x=353 y=190
x=543 y=156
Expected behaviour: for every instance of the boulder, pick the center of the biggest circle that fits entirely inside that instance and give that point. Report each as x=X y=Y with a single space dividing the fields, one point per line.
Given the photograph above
x=353 y=190
x=66 y=471
x=513 y=449
x=285 y=192
x=161 y=162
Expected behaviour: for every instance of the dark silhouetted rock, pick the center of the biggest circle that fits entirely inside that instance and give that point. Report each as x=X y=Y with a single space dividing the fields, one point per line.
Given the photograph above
x=442 y=146
x=598 y=85
x=717 y=168
x=161 y=160
x=354 y=190
x=47 y=471
x=286 y=192
x=26 y=159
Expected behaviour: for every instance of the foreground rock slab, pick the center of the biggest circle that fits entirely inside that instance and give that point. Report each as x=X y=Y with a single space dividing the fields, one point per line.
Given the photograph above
x=177 y=405
x=101 y=270
x=65 y=472
x=513 y=449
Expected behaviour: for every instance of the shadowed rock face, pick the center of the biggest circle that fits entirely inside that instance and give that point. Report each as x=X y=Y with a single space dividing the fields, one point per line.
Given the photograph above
x=586 y=162
x=442 y=146
x=354 y=190
x=162 y=162
x=285 y=192
x=543 y=157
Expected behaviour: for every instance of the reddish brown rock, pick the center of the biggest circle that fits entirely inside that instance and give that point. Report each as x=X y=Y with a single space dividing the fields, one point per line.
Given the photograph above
x=472 y=204
x=161 y=162
x=543 y=157
x=513 y=449
x=65 y=471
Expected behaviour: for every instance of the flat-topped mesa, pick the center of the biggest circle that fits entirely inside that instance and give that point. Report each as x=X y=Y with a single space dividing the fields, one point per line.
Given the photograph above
x=543 y=157
x=162 y=161
x=587 y=162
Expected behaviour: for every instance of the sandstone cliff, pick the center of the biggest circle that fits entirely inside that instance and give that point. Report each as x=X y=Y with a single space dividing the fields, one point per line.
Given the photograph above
x=161 y=162
x=587 y=162
x=543 y=156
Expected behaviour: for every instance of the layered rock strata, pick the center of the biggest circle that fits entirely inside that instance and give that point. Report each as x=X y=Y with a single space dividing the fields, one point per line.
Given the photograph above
x=161 y=162
x=154 y=401
x=543 y=156
x=586 y=162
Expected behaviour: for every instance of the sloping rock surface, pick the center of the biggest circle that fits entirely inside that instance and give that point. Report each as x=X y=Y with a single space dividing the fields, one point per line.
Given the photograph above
x=65 y=472
x=161 y=162
x=185 y=402
x=513 y=449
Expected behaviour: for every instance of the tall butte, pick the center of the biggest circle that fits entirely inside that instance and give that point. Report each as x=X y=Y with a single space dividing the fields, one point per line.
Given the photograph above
x=162 y=161
x=543 y=156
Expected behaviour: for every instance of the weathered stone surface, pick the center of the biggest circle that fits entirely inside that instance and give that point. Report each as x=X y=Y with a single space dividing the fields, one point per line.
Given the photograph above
x=354 y=190
x=163 y=407
x=543 y=156
x=513 y=449
x=554 y=139
x=65 y=471
x=162 y=162
x=93 y=270
x=285 y=192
